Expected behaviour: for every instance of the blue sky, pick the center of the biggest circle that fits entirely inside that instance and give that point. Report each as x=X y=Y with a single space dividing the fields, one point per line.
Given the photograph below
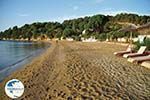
x=20 y=12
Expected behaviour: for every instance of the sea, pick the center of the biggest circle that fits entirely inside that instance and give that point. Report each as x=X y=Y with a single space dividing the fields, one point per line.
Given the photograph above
x=14 y=54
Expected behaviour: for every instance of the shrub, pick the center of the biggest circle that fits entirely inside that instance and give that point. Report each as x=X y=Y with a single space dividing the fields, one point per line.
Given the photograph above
x=102 y=37
x=146 y=43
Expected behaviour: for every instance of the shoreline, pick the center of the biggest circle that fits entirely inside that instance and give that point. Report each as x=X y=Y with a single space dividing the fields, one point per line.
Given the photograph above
x=10 y=69
x=81 y=70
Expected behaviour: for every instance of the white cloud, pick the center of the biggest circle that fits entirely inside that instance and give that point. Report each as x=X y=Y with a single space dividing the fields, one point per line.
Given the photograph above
x=61 y=19
x=104 y=12
x=75 y=8
x=66 y=17
x=108 y=11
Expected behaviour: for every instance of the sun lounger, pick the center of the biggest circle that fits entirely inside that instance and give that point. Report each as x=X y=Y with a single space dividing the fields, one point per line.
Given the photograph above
x=139 y=59
x=119 y=53
x=139 y=53
x=146 y=64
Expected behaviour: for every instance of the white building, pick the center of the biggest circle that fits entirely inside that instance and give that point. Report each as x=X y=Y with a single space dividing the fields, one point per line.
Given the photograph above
x=122 y=40
x=69 y=39
x=91 y=39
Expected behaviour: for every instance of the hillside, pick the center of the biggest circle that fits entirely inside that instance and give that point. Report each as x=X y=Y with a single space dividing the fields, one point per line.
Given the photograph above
x=99 y=26
x=144 y=29
x=141 y=29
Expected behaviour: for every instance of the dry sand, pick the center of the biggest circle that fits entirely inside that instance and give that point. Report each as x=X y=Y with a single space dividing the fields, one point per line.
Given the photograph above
x=82 y=71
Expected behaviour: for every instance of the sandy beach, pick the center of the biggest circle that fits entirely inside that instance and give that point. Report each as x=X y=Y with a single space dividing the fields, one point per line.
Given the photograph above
x=82 y=71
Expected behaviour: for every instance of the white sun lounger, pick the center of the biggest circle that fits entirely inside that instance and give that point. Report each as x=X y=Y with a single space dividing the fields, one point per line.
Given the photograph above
x=139 y=59
x=139 y=53
x=123 y=52
x=146 y=64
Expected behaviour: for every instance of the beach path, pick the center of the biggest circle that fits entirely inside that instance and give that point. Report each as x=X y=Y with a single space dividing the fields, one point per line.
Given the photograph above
x=82 y=71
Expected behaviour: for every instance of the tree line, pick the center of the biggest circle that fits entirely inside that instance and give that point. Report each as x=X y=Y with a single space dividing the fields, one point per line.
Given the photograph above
x=99 y=26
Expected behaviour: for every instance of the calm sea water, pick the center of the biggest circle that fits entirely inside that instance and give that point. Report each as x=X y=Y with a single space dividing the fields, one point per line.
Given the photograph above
x=15 y=54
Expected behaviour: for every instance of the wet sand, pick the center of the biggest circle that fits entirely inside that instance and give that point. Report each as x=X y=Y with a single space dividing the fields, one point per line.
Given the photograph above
x=82 y=71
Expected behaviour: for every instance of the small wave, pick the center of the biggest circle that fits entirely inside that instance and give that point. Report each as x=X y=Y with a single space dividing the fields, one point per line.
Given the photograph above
x=17 y=62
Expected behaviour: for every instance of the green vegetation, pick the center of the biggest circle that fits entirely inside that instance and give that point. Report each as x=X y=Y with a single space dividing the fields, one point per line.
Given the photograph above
x=99 y=26
x=132 y=18
x=146 y=43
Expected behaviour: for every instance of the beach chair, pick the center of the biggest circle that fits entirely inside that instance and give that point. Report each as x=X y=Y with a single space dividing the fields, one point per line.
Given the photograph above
x=120 y=53
x=139 y=59
x=139 y=53
x=146 y=64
